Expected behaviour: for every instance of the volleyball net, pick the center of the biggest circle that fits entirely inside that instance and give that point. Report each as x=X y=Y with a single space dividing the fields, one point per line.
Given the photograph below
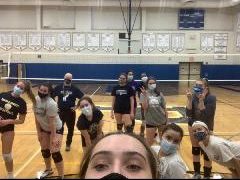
x=175 y=68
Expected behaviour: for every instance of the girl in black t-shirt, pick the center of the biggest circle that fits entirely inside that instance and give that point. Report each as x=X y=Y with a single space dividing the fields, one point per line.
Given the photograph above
x=123 y=104
x=13 y=110
x=89 y=122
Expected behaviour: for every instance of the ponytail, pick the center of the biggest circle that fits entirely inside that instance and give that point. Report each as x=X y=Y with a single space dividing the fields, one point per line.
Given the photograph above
x=29 y=92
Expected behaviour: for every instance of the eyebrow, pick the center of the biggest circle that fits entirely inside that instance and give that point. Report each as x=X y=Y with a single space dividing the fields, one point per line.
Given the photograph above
x=128 y=154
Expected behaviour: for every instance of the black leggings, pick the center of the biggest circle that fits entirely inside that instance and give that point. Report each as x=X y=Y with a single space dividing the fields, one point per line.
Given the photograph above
x=69 y=117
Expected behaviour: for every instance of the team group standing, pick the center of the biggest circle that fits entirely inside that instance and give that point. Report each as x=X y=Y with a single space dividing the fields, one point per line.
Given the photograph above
x=54 y=107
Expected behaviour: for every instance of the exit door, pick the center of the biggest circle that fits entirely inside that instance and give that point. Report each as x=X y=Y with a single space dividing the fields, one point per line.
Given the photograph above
x=189 y=71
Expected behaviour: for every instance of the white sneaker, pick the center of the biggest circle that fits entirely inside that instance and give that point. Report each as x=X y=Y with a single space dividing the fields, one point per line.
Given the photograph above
x=44 y=174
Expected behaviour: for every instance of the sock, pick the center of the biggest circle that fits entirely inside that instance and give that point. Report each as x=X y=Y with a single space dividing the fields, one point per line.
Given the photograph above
x=196 y=166
x=10 y=175
x=207 y=171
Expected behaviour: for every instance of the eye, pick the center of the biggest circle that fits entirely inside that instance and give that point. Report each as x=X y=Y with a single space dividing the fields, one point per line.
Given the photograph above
x=168 y=137
x=175 y=142
x=101 y=167
x=134 y=167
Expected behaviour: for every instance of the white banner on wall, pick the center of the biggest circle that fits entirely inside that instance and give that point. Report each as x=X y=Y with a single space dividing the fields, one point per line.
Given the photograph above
x=220 y=43
x=238 y=42
x=148 y=42
x=6 y=40
x=78 y=41
x=178 y=42
x=238 y=22
x=64 y=41
x=20 y=40
x=49 y=41
x=207 y=42
x=93 y=41
x=107 y=42
x=163 y=42
x=35 y=40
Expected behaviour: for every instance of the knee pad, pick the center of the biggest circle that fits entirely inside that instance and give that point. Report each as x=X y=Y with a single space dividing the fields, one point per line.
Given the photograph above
x=7 y=157
x=196 y=151
x=57 y=157
x=119 y=127
x=46 y=153
x=129 y=129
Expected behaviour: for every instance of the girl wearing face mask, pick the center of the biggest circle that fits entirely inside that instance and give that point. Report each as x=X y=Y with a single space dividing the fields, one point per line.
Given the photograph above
x=132 y=83
x=171 y=163
x=142 y=84
x=119 y=155
x=222 y=151
x=123 y=104
x=201 y=106
x=89 y=122
x=13 y=110
x=155 y=111
x=49 y=130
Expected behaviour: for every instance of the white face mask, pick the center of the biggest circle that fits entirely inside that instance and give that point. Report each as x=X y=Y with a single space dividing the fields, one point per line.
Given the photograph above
x=152 y=86
x=87 y=110
x=144 y=79
x=130 y=78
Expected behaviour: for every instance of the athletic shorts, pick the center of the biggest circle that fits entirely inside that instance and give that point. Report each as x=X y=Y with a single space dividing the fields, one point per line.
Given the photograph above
x=9 y=127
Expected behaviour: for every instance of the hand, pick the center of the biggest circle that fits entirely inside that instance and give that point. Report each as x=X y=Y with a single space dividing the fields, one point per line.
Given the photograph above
x=189 y=94
x=143 y=90
x=132 y=115
x=203 y=95
x=74 y=108
x=4 y=122
x=112 y=114
x=55 y=142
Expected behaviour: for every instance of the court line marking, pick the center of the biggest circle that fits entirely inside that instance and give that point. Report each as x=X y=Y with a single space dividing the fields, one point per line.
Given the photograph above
x=95 y=91
x=27 y=163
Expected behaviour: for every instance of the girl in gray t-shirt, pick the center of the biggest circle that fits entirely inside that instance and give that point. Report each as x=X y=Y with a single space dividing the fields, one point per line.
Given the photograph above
x=155 y=111
x=49 y=130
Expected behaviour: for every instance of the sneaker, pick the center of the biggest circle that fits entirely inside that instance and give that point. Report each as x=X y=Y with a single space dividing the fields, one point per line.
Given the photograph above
x=196 y=176
x=68 y=148
x=46 y=173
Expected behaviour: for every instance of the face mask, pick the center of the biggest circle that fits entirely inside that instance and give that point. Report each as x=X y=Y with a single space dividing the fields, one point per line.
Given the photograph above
x=144 y=79
x=200 y=135
x=17 y=91
x=152 y=86
x=130 y=78
x=87 y=110
x=67 y=82
x=167 y=147
x=114 y=176
x=198 y=89
x=41 y=95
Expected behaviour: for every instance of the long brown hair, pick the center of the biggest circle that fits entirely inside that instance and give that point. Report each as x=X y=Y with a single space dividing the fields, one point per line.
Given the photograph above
x=150 y=155
x=87 y=98
x=29 y=92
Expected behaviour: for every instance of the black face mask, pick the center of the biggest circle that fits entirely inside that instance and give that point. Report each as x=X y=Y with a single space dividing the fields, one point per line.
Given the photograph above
x=114 y=176
x=41 y=95
x=200 y=135
x=67 y=81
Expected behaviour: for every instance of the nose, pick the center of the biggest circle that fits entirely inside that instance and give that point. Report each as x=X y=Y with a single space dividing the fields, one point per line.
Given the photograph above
x=116 y=168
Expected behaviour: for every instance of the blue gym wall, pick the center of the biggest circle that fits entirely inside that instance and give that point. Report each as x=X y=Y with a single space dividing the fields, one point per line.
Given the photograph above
x=100 y=71
x=111 y=71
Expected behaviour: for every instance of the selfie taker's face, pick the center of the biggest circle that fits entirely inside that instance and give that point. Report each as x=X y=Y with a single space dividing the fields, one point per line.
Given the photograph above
x=120 y=154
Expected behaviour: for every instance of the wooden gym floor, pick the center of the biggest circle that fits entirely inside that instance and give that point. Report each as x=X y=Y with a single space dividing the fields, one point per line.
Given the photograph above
x=26 y=149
